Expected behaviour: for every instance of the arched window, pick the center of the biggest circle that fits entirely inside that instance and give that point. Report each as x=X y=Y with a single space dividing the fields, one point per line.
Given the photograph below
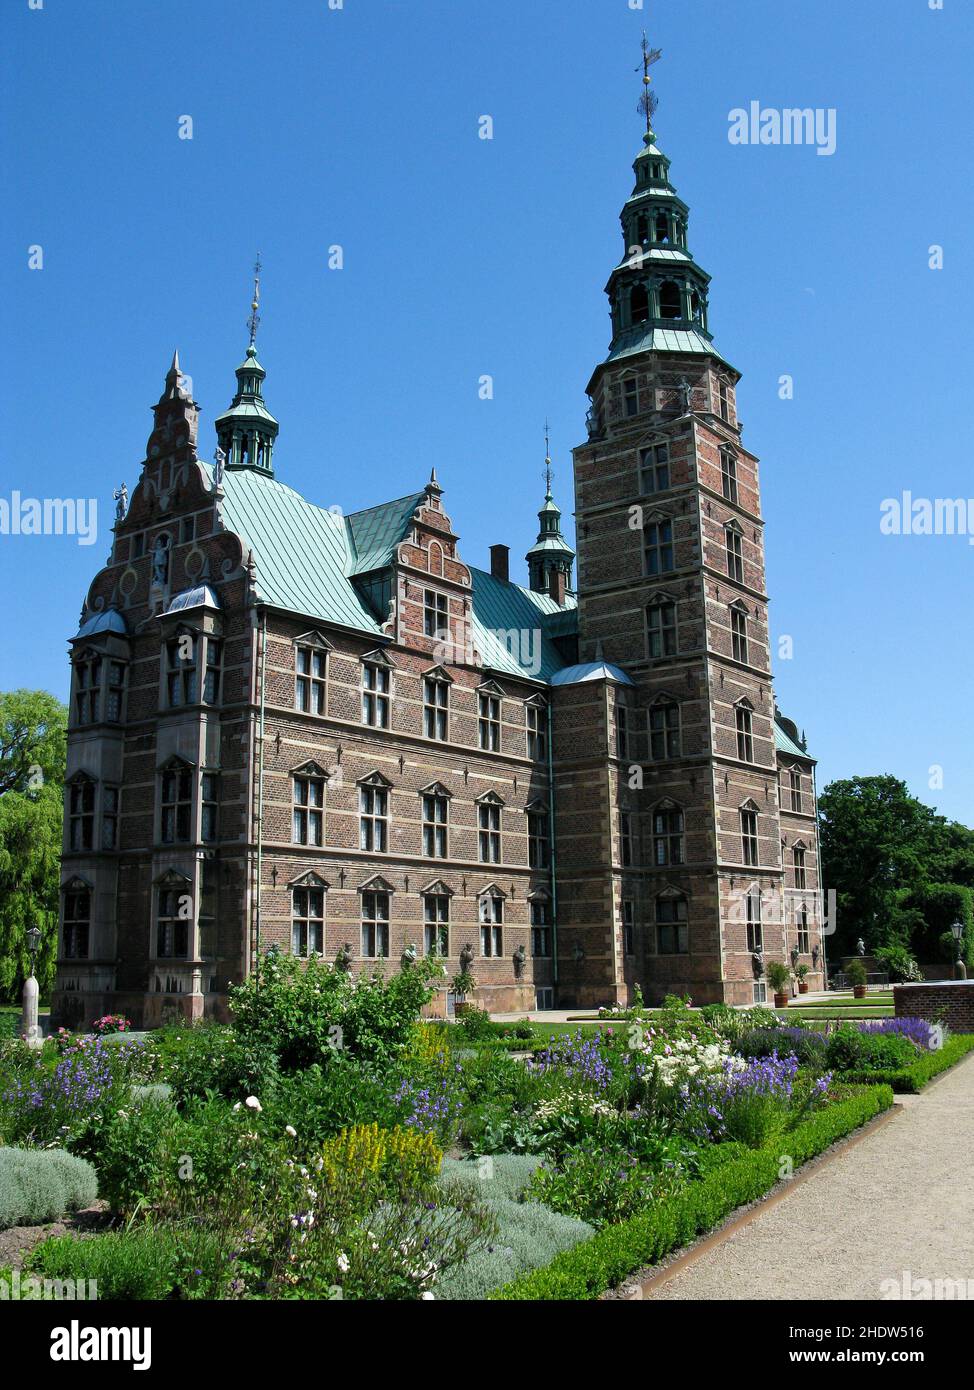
x=638 y=304
x=642 y=228
x=662 y=227
x=696 y=309
x=670 y=300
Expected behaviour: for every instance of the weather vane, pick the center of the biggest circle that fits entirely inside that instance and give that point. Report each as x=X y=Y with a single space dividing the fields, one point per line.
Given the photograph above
x=648 y=102
x=254 y=319
x=549 y=472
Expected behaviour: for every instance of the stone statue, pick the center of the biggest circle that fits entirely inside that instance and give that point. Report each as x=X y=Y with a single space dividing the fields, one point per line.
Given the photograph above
x=815 y=955
x=520 y=957
x=409 y=955
x=160 y=561
x=794 y=956
x=219 y=460
x=860 y=947
x=466 y=957
x=685 y=391
x=343 y=960
x=121 y=496
x=757 y=964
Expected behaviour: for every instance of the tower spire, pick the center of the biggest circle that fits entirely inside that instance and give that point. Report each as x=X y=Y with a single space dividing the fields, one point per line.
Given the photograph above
x=253 y=322
x=550 y=558
x=648 y=101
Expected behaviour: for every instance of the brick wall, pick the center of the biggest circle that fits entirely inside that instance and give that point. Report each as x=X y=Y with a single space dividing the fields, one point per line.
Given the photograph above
x=944 y=1001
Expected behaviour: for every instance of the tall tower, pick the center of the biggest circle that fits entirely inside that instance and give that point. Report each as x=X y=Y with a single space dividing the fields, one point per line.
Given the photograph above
x=247 y=430
x=672 y=591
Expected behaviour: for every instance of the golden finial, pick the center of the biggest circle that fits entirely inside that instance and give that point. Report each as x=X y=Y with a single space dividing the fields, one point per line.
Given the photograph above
x=648 y=101
x=254 y=320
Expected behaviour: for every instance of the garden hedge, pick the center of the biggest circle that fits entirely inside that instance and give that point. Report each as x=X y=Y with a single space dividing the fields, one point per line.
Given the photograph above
x=618 y=1251
x=39 y=1185
x=909 y=1080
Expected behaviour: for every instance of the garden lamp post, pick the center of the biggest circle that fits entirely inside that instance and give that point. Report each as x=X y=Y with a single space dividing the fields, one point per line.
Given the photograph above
x=960 y=969
x=28 y=1021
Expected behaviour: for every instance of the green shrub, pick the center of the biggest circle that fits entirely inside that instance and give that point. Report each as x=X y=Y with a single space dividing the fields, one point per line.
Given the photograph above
x=856 y=974
x=618 y=1251
x=475 y=1025
x=528 y=1235
x=910 y=1080
x=211 y=1060
x=321 y=1100
x=144 y=1264
x=808 y=1047
x=38 y=1185
x=849 y=1050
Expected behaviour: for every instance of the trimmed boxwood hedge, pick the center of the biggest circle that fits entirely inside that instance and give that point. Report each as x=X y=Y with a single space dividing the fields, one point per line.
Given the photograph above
x=909 y=1080
x=618 y=1251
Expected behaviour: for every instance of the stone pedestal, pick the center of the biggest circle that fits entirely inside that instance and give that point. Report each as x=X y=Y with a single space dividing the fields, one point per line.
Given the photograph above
x=29 y=1027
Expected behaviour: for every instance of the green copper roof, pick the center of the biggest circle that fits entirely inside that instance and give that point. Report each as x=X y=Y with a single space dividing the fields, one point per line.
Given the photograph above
x=376 y=532
x=644 y=338
x=512 y=627
x=785 y=744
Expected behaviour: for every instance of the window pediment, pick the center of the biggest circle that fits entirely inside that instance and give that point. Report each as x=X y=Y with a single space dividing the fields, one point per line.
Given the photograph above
x=438 y=673
x=490 y=688
x=491 y=890
x=744 y=703
x=537 y=701
x=670 y=891
x=309 y=880
x=310 y=769
x=539 y=895
x=376 y=884
x=749 y=805
x=489 y=799
x=800 y=844
x=378 y=657
x=436 y=889
x=435 y=789
x=314 y=639
x=76 y=884
x=176 y=763
x=373 y=779
x=664 y=698
x=659 y=599
x=172 y=878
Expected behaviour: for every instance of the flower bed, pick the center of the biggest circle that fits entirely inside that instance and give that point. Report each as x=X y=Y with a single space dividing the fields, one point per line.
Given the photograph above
x=911 y=1079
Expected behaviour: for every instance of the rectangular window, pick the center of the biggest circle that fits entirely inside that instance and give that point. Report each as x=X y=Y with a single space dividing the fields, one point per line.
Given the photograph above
x=664 y=732
x=745 y=740
x=115 y=691
x=628 y=929
x=537 y=840
x=749 y=837
x=796 y=789
x=375 y=925
x=210 y=807
x=308 y=922
x=803 y=942
x=375 y=696
x=436 y=696
x=211 y=683
x=667 y=836
x=308 y=817
x=724 y=401
x=87 y=698
x=489 y=723
x=77 y=923
x=81 y=815
x=798 y=855
x=436 y=614
x=435 y=811
x=181 y=671
x=760 y=992
x=658 y=547
x=728 y=476
x=672 y=935
x=109 y=817
x=172 y=924
x=626 y=838
x=489 y=840
x=187 y=530
x=752 y=916
x=622 y=731
x=177 y=805
x=373 y=819
x=138 y=545
x=436 y=924
x=540 y=929
x=735 y=554
x=631 y=397
x=491 y=926
x=310 y=665
x=537 y=732
x=661 y=621
x=654 y=466
x=739 y=634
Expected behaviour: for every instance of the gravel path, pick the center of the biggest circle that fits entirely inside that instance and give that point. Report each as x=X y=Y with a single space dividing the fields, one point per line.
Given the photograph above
x=901 y=1200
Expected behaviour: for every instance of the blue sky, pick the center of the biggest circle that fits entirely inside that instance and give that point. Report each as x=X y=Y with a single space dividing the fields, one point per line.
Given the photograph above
x=359 y=127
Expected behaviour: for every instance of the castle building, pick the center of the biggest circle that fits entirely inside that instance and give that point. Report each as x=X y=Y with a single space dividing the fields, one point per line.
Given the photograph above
x=328 y=733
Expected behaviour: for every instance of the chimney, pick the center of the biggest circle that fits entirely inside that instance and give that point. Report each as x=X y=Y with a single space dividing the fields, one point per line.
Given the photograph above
x=556 y=587
x=500 y=566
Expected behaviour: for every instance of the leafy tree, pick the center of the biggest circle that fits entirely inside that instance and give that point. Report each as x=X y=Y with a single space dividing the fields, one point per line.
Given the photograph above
x=32 y=766
x=899 y=869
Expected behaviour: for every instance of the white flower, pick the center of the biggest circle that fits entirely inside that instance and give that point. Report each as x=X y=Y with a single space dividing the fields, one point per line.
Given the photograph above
x=289 y=1129
x=427 y=1295
x=237 y=1106
x=252 y=1103
x=343 y=1262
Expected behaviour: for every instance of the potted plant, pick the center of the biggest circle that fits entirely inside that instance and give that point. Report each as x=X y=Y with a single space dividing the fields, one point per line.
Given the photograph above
x=856 y=972
x=779 y=978
x=801 y=972
x=463 y=984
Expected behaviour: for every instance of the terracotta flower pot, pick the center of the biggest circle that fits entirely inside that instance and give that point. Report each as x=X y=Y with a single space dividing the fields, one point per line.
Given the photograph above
x=781 y=1001
x=802 y=986
x=858 y=991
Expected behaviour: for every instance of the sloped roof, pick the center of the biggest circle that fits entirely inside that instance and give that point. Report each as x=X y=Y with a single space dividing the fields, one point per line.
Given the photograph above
x=512 y=627
x=108 y=620
x=376 y=532
x=591 y=671
x=784 y=743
